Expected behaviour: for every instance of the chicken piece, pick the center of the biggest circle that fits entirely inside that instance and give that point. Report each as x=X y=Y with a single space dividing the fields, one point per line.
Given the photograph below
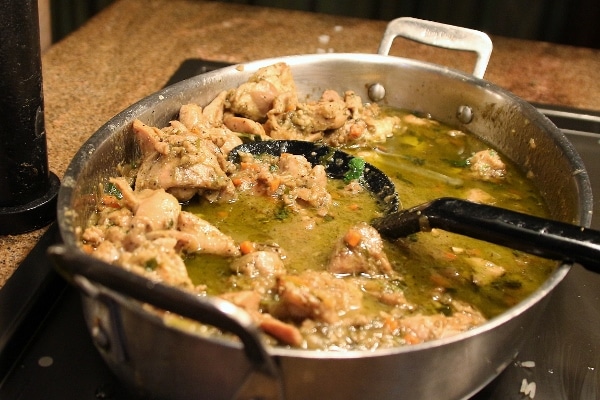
x=360 y=251
x=484 y=271
x=155 y=208
x=365 y=127
x=107 y=251
x=487 y=165
x=306 y=182
x=315 y=295
x=309 y=120
x=477 y=195
x=282 y=331
x=208 y=123
x=244 y=125
x=386 y=291
x=291 y=178
x=189 y=165
x=270 y=86
x=157 y=259
x=199 y=236
x=191 y=116
x=213 y=112
x=258 y=263
x=420 y=328
x=194 y=117
x=330 y=112
x=249 y=300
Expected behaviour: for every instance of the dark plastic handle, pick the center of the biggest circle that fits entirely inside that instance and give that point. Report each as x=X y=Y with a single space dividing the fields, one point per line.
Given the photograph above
x=208 y=310
x=539 y=236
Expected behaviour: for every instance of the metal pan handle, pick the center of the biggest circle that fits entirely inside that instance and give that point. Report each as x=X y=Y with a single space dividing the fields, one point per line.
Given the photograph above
x=440 y=35
x=73 y=264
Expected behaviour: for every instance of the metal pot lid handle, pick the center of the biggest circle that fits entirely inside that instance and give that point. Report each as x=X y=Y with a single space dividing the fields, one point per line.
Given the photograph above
x=440 y=35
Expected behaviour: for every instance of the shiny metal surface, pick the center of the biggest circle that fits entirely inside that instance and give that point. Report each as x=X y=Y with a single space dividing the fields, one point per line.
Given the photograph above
x=563 y=353
x=440 y=35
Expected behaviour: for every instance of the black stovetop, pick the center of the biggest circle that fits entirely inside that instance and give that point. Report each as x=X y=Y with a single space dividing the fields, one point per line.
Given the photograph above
x=46 y=351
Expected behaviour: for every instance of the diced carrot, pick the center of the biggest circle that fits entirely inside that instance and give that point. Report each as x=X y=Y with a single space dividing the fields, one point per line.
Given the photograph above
x=236 y=181
x=354 y=207
x=246 y=247
x=355 y=131
x=247 y=165
x=450 y=255
x=440 y=280
x=411 y=338
x=274 y=184
x=87 y=248
x=391 y=324
x=222 y=214
x=353 y=238
x=110 y=201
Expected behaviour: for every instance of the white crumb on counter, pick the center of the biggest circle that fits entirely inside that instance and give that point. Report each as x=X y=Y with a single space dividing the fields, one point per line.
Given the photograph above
x=527 y=364
x=528 y=388
x=324 y=39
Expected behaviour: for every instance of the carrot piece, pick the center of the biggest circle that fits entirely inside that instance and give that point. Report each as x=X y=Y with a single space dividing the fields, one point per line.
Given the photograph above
x=110 y=201
x=440 y=280
x=450 y=256
x=354 y=207
x=411 y=338
x=274 y=184
x=87 y=248
x=353 y=238
x=246 y=247
x=236 y=181
x=391 y=324
x=222 y=214
x=355 y=131
x=248 y=165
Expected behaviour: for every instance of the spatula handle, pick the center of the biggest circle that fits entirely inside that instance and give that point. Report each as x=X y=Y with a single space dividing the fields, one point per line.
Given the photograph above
x=539 y=236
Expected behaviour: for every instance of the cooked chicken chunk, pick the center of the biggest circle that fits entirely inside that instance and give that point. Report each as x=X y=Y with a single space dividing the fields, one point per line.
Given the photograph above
x=270 y=87
x=249 y=300
x=181 y=163
x=199 y=236
x=317 y=295
x=156 y=208
x=420 y=328
x=258 y=263
x=290 y=178
x=487 y=165
x=208 y=123
x=360 y=251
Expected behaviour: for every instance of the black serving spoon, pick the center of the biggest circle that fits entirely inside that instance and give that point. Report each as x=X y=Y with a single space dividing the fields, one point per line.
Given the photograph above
x=539 y=236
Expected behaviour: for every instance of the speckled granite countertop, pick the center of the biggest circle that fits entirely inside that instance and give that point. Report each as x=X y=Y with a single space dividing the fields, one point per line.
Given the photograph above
x=132 y=48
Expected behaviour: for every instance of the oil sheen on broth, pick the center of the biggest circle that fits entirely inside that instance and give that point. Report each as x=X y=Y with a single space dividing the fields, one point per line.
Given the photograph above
x=426 y=161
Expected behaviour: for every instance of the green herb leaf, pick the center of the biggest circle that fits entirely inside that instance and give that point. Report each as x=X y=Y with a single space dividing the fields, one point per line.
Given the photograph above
x=282 y=213
x=113 y=190
x=356 y=167
x=151 y=264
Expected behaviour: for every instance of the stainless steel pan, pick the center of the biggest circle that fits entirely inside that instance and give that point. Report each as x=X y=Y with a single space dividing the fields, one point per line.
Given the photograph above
x=167 y=362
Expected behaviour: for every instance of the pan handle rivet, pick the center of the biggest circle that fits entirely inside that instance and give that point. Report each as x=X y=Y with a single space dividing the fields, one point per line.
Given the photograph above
x=376 y=92
x=464 y=114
